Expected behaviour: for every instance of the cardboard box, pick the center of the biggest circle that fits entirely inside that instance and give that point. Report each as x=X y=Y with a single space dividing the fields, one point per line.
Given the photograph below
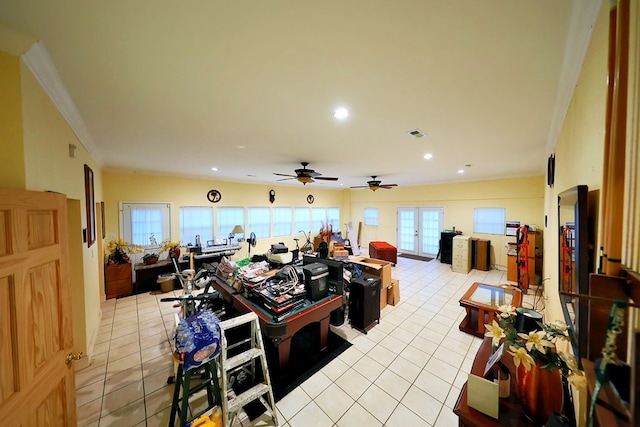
x=393 y=292
x=340 y=254
x=379 y=268
x=383 y=297
x=375 y=267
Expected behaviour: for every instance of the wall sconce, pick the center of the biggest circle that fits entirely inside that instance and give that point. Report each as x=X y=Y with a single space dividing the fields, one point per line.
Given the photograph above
x=237 y=230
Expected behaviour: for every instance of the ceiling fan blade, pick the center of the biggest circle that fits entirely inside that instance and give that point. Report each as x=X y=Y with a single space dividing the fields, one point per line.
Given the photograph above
x=360 y=186
x=326 y=178
x=284 y=174
x=286 y=179
x=388 y=185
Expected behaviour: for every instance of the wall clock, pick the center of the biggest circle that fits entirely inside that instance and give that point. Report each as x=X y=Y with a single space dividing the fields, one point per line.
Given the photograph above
x=272 y=196
x=310 y=199
x=214 y=196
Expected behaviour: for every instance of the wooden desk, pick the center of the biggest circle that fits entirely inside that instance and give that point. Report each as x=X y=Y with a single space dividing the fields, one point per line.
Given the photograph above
x=511 y=412
x=280 y=331
x=481 y=302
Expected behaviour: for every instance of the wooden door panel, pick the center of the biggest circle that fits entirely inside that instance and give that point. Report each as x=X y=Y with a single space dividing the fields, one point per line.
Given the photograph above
x=43 y=318
x=7 y=340
x=37 y=387
x=5 y=242
x=42 y=229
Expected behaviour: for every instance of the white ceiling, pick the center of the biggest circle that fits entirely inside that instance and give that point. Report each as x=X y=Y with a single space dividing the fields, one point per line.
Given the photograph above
x=249 y=87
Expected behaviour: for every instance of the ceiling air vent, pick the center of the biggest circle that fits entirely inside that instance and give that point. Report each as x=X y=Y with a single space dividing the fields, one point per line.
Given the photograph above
x=416 y=133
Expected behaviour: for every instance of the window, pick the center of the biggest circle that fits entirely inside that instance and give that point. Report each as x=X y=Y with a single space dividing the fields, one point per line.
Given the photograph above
x=318 y=219
x=142 y=221
x=370 y=216
x=259 y=221
x=281 y=222
x=229 y=218
x=489 y=220
x=301 y=220
x=333 y=218
x=196 y=220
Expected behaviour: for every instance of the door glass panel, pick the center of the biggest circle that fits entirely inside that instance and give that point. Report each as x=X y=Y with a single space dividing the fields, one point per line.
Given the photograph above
x=407 y=230
x=430 y=228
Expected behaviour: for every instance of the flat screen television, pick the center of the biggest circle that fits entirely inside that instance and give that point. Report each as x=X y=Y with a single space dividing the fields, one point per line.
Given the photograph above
x=335 y=278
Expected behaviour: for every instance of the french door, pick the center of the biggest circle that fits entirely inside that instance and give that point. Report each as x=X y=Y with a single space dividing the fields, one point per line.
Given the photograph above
x=419 y=230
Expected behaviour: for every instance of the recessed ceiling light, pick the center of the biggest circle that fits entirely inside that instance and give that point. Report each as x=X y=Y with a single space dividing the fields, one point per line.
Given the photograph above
x=460 y=170
x=428 y=156
x=214 y=169
x=240 y=147
x=341 y=113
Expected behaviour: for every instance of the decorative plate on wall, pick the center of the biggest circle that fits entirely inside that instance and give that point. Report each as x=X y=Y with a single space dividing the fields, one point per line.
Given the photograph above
x=310 y=199
x=214 y=196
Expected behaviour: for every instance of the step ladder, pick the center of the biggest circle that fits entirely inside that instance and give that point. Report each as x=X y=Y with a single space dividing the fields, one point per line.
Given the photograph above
x=184 y=389
x=244 y=361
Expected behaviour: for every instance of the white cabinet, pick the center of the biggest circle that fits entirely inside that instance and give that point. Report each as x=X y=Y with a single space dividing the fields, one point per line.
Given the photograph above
x=461 y=257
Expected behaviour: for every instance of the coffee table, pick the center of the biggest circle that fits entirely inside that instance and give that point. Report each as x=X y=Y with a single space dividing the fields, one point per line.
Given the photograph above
x=481 y=302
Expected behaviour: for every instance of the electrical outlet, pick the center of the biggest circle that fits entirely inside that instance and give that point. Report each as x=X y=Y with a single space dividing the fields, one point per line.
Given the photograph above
x=110 y=237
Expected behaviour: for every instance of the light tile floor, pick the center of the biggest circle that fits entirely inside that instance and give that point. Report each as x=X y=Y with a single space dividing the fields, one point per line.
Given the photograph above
x=406 y=371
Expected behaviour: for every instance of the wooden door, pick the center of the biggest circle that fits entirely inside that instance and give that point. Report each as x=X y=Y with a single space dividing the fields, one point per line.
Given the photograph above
x=37 y=386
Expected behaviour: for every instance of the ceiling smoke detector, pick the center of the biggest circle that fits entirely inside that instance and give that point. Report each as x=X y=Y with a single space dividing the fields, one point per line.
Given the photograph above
x=416 y=133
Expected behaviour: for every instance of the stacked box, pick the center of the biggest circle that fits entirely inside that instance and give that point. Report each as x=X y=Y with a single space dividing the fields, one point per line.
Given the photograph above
x=378 y=268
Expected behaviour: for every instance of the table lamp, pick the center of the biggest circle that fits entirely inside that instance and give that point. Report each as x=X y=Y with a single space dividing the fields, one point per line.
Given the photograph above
x=236 y=230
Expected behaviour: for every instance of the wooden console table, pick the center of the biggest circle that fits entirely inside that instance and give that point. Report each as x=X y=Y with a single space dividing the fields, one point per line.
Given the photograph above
x=511 y=411
x=481 y=302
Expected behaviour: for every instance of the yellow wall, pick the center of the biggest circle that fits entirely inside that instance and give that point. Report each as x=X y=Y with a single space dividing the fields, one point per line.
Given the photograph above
x=11 y=151
x=124 y=187
x=579 y=150
x=48 y=167
x=523 y=199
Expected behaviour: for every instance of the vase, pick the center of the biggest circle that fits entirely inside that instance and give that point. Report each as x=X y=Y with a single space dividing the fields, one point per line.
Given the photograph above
x=175 y=252
x=539 y=391
x=150 y=260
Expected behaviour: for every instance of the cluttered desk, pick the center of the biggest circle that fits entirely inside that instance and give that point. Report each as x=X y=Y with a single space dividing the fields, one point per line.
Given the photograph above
x=284 y=303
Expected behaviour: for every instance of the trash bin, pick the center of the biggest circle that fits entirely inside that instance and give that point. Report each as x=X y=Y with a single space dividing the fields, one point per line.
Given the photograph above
x=167 y=282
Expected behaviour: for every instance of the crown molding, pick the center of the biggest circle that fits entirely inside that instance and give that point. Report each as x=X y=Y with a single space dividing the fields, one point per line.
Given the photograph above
x=37 y=59
x=583 y=18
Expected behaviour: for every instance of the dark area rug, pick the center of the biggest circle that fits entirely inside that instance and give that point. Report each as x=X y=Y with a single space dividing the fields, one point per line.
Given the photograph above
x=419 y=258
x=306 y=359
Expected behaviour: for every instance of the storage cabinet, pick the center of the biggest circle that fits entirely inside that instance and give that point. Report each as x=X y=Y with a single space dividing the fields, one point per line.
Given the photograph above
x=461 y=254
x=117 y=280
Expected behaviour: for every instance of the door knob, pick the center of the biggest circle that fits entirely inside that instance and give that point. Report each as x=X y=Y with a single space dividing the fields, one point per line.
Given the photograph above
x=71 y=357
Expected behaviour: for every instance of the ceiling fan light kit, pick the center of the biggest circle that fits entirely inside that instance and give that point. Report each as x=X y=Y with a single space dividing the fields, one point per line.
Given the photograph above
x=375 y=184
x=305 y=175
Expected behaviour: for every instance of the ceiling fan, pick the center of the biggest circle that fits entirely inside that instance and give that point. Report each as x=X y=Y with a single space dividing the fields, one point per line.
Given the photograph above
x=374 y=184
x=305 y=175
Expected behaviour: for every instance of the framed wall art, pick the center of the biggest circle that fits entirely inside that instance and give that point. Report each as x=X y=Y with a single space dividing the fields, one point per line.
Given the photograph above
x=90 y=206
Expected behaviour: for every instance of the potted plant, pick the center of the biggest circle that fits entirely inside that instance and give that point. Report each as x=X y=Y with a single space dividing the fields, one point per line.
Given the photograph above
x=539 y=363
x=116 y=251
x=171 y=247
x=150 y=258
